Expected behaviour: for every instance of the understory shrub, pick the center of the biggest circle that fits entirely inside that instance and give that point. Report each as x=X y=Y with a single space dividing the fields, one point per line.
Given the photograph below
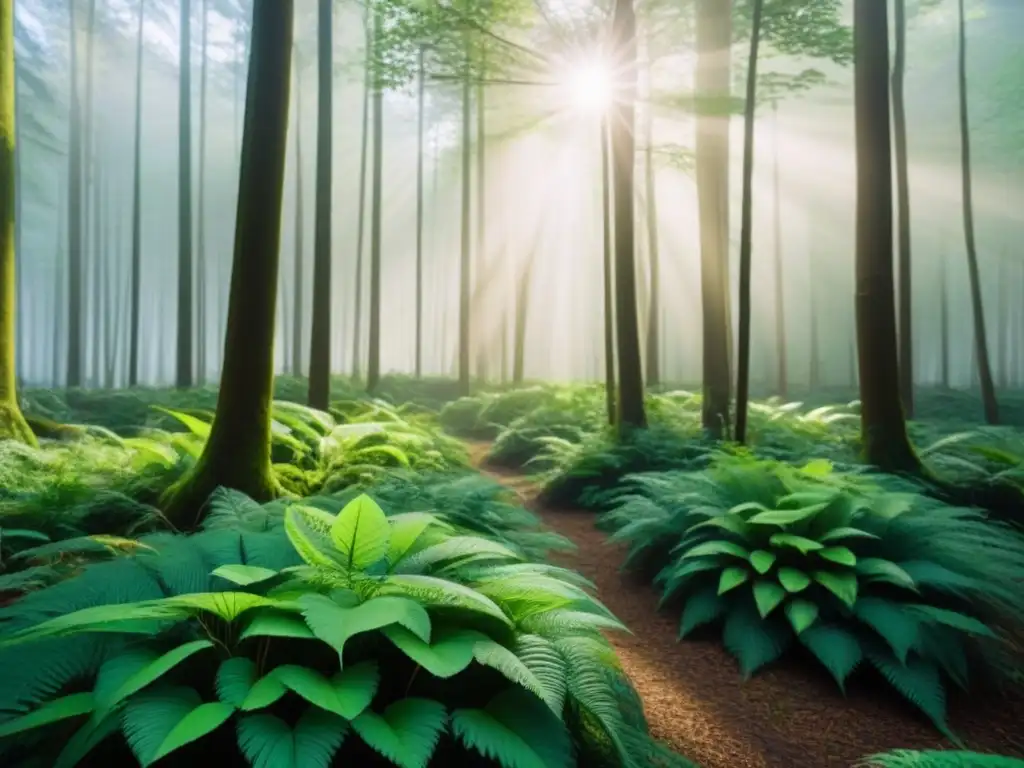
x=855 y=568
x=349 y=639
x=905 y=758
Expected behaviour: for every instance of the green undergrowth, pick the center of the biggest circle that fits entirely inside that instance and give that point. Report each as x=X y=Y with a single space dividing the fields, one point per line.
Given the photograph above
x=853 y=570
x=905 y=758
x=356 y=639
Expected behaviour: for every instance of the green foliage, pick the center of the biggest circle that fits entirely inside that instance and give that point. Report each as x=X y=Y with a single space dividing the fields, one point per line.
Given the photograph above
x=860 y=570
x=329 y=636
x=905 y=758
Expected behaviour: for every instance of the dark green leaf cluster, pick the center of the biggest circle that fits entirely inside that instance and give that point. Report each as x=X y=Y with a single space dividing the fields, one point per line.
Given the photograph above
x=857 y=570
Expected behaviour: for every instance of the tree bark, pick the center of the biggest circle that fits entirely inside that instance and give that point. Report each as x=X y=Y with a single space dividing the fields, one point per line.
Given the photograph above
x=201 y=334
x=136 y=276
x=781 y=342
x=630 y=412
x=76 y=316
x=464 y=255
x=320 y=344
x=357 y=304
x=419 y=213
x=373 y=342
x=653 y=356
x=712 y=82
x=988 y=390
x=883 y=429
x=12 y=423
x=237 y=454
x=609 y=276
x=299 y=257
x=183 y=367
x=746 y=224
x=899 y=114
x=943 y=322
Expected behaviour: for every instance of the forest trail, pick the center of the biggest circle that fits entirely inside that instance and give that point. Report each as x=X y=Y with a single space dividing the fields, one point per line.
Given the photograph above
x=697 y=703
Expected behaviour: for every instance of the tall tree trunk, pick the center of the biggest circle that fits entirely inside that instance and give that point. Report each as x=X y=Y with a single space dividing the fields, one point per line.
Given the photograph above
x=781 y=343
x=609 y=275
x=75 y=318
x=1003 y=327
x=712 y=81
x=883 y=429
x=522 y=312
x=479 y=313
x=464 y=255
x=899 y=114
x=91 y=314
x=299 y=258
x=320 y=343
x=12 y=423
x=373 y=341
x=96 y=267
x=136 y=276
x=237 y=453
x=201 y=210
x=59 y=291
x=944 y=321
x=653 y=357
x=357 y=304
x=419 y=213
x=183 y=366
x=988 y=390
x=746 y=226
x=630 y=411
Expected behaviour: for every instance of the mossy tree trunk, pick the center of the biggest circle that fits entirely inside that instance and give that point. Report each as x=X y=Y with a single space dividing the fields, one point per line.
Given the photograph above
x=320 y=342
x=12 y=423
x=630 y=412
x=883 y=429
x=237 y=453
x=713 y=86
x=746 y=227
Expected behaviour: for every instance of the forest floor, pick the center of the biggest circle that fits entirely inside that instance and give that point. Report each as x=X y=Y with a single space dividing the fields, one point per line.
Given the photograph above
x=697 y=703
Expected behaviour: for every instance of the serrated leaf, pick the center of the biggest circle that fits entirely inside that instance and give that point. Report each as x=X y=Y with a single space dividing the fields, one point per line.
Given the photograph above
x=731 y=578
x=269 y=742
x=235 y=678
x=308 y=529
x=768 y=595
x=877 y=569
x=701 y=608
x=202 y=720
x=793 y=580
x=801 y=614
x=762 y=560
x=406 y=733
x=361 y=533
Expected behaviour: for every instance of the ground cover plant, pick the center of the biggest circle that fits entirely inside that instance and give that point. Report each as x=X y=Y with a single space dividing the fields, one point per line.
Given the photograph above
x=858 y=569
x=905 y=758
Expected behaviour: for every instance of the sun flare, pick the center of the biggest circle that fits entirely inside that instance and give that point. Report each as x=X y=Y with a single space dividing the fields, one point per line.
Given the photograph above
x=589 y=85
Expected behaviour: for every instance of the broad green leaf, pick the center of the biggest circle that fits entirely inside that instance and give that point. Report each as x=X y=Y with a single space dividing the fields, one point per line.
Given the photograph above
x=152 y=672
x=235 y=678
x=226 y=605
x=840 y=555
x=436 y=592
x=202 y=720
x=449 y=653
x=88 y=737
x=406 y=733
x=347 y=694
x=817 y=468
x=731 y=578
x=793 y=580
x=335 y=624
x=877 y=569
x=719 y=547
x=846 y=532
x=799 y=543
x=244 y=575
x=273 y=624
x=264 y=692
x=768 y=595
x=406 y=528
x=801 y=614
x=53 y=711
x=785 y=517
x=746 y=508
x=841 y=584
x=144 y=618
x=308 y=530
x=269 y=742
x=762 y=560
x=361 y=533
x=892 y=505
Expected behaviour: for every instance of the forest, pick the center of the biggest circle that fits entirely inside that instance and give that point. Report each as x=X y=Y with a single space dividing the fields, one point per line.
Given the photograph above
x=512 y=383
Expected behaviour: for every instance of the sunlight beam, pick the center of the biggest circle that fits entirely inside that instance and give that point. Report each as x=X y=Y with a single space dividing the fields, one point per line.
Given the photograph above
x=589 y=86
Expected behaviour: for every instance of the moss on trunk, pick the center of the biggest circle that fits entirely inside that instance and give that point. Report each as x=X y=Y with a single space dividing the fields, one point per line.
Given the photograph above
x=237 y=454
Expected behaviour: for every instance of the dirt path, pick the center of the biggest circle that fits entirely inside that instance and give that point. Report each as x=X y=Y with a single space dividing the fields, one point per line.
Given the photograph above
x=696 y=702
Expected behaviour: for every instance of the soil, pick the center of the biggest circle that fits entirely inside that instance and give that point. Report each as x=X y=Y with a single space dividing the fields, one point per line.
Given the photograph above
x=786 y=716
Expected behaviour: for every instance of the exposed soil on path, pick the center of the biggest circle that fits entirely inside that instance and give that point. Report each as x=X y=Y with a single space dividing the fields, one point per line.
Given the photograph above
x=785 y=717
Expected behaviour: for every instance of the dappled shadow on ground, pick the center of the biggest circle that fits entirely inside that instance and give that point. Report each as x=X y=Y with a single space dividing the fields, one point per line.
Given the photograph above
x=785 y=717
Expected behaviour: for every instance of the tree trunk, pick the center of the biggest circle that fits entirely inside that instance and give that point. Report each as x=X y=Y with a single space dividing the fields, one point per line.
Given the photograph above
x=373 y=342
x=320 y=343
x=479 y=314
x=712 y=82
x=12 y=423
x=781 y=342
x=899 y=114
x=630 y=411
x=183 y=366
x=75 y=323
x=201 y=210
x=746 y=224
x=464 y=256
x=988 y=390
x=522 y=311
x=237 y=453
x=299 y=258
x=943 y=322
x=653 y=357
x=136 y=277
x=609 y=276
x=59 y=290
x=419 y=215
x=1003 y=327
x=883 y=429
x=357 y=303
x=96 y=267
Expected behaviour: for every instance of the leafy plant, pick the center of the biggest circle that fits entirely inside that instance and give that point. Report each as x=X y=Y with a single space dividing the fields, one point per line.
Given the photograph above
x=396 y=639
x=905 y=758
x=852 y=567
